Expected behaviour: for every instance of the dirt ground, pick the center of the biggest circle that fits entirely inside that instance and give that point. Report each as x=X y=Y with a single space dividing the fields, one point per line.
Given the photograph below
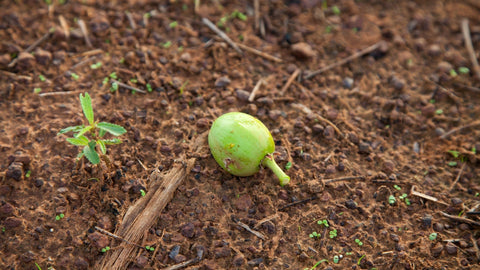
x=383 y=148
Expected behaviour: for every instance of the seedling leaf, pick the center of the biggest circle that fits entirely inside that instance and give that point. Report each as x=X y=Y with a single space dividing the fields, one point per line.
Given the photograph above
x=91 y=154
x=86 y=102
x=113 y=129
x=103 y=148
x=83 y=131
x=112 y=141
x=68 y=129
x=82 y=140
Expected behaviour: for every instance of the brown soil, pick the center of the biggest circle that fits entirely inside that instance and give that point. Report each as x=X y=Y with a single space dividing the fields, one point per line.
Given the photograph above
x=393 y=108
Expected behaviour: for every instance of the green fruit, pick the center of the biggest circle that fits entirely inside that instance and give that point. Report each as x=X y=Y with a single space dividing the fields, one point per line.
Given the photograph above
x=240 y=143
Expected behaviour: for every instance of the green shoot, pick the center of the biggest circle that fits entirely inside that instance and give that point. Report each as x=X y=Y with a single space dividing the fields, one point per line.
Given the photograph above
x=333 y=233
x=439 y=111
x=105 y=249
x=42 y=78
x=335 y=259
x=453 y=73
x=37 y=90
x=391 y=199
x=360 y=260
x=397 y=187
x=314 y=235
x=182 y=88
x=134 y=80
x=114 y=87
x=28 y=173
x=173 y=24
x=463 y=70
x=75 y=76
x=336 y=10
x=113 y=75
x=432 y=236
x=454 y=153
x=96 y=65
x=58 y=217
x=91 y=135
x=149 y=87
x=38 y=266
x=360 y=243
x=149 y=248
x=167 y=44
x=452 y=163
x=323 y=222
x=288 y=166
x=142 y=192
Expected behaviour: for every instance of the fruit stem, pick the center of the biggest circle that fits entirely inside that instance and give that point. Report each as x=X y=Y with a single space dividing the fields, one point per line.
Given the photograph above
x=269 y=162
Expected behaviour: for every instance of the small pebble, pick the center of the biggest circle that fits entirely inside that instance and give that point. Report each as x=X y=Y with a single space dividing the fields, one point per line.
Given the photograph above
x=15 y=171
x=238 y=260
x=330 y=169
x=25 y=61
x=437 y=249
x=242 y=95
x=188 y=230
x=174 y=252
x=43 y=57
x=434 y=50
x=364 y=148
x=456 y=201
x=397 y=83
x=451 y=248
x=347 y=82
x=303 y=50
x=427 y=221
x=444 y=67
x=328 y=132
x=351 y=204
x=222 y=82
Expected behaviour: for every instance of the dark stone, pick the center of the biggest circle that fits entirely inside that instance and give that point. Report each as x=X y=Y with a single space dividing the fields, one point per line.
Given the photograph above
x=351 y=204
x=174 y=252
x=81 y=263
x=364 y=148
x=222 y=82
x=451 y=248
x=242 y=95
x=141 y=261
x=255 y=262
x=6 y=210
x=427 y=221
x=98 y=240
x=238 y=260
x=222 y=252
x=12 y=222
x=188 y=230
x=43 y=57
x=15 y=171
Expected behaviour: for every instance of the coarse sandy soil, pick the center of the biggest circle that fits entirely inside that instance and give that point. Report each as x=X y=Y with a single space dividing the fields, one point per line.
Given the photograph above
x=382 y=149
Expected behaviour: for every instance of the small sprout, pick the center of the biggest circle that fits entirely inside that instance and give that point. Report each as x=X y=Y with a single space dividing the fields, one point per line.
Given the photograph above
x=323 y=222
x=122 y=60
x=75 y=76
x=439 y=111
x=167 y=44
x=37 y=90
x=360 y=243
x=407 y=201
x=95 y=130
x=452 y=163
x=184 y=7
x=38 y=266
x=348 y=253
x=474 y=150
x=105 y=81
x=431 y=101
x=335 y=259
x=254 y=145
x=328 y=29
x=42 y=78
x=173 y=24
x=397 y=187
x=105 y=249
x=453 y=73
x=133 y=80
x=113 y=75
x=314 y=235
x=28 y=173
x=360 y=260
x=333 y=233
x=142 y=192
x=239 y=15
x=288 y=166
x=149 y=248
x=454 y=153
x=403 y=196
x=147 y=15
x=432 y=236
x=391 y=199
x=463 y=70
x=96 y=65
x=58 y=217
x=149 y=87
x=114 y=87
x=336 y=10
x=182 y=88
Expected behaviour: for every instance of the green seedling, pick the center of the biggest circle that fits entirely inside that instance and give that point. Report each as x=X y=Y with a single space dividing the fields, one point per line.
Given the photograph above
x=149 y=87
x=58 y=217
x=37 y=90
x=333 y=233
x=452 y=163
x=439 y=111
x=336 y=10
x=134 y=80
x=453 y=73
x=173 y=24
x=360 y=243
x=314 y=235
x=288 y=166
x=105 y=249
x=397 y=187
x=122 y=60
x=360 y=259
x=28 y=173
x=74 y=76
x=240 y=144
x=431 y=101
x=391 y=199
x=149 y=248
x=167 y=44
x=3 y=229
x=477 y=194
x=113 y=75
x=335 y=259
x=42 y=78
x=432 y=236
x=38 y=266
x=95 y=131
x=474 y=150
x=328 y=29
x=454 y=153
x=463 y=70
x=323 y=222
x=96 y=65
x=317 y=264
x=142 y=192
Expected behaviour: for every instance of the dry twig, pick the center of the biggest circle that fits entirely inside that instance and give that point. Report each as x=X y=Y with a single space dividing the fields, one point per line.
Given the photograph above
x=83 y=28
x=133 y=25
x=461 y=219
x=425 y=196
x=298 y=202
x=116 y=236
x=58 y=93
x=347 y=178
x=447 y=134
x=64 y=25
x=458 y=177
x=469 y=46
x=124 y=85
x=221 y=34
x=345 y=60
x=31 y=47
x=245 y=226
x=289 y=81
x=265 y=220
x=259 y=53
x=255 y=90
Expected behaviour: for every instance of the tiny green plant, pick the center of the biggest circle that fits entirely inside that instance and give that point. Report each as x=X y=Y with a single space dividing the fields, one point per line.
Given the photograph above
x=323 y=222
x=149 y=248
x=333 y=233
x=288 y=166
x=142 y=192
x=149 y=87
x=96 y=131
x=452 y=163
x=173 y=24
x=397 y=187
x=58 y=217
x=96 y=65
x=432 y=236
x=317 y=264
x=454 y=153
x=105 y=249
x=42 y=78
x=360 y=243
x=439 y=111
x=360 y=259
x=314 y=235
x=336 y=10
x=74 y=76
x=113 y=75
x=28 y=173
x=3 y=229
x=37 y=90
x=453 y=73
x=114 y=87
x=391 y=199
x=38 y=266
x=167 y=44
x=336 y=259
x=463 y=70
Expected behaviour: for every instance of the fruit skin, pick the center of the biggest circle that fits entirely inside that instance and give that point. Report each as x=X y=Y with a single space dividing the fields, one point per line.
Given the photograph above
x=239 y=142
